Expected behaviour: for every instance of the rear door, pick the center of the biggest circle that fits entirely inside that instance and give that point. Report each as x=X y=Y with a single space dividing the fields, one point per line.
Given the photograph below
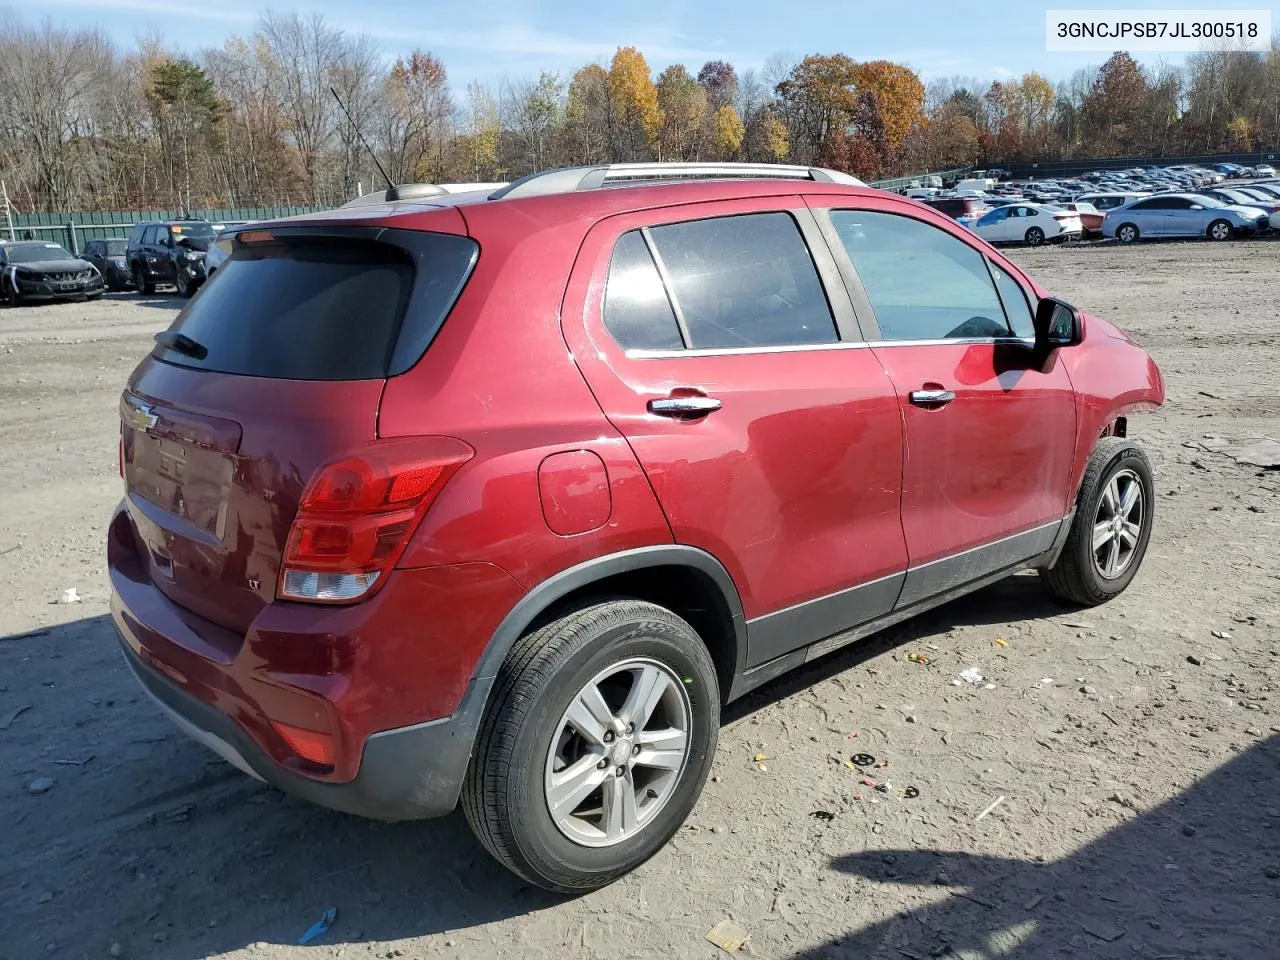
x=989 y=441
x=1183 y=218
x=768 y=431
x=279 y=369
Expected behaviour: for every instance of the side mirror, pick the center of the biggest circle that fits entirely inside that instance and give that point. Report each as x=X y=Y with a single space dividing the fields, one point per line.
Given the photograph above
x=1057 y=324
x=1196 y=206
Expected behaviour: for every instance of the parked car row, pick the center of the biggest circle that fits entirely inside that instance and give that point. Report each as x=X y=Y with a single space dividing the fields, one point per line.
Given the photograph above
x=168 y=252
x=1008 y=213
x=1183 y=215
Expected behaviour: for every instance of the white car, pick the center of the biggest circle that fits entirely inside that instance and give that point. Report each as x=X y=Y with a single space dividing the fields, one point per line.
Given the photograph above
x=1264 y=170
x=1031 y=223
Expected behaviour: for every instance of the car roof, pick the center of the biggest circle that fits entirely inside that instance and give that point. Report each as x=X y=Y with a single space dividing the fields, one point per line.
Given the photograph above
x=21 y=244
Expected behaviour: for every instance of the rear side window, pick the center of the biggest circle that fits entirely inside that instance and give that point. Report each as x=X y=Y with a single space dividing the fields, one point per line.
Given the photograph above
x=744 y=281
x=637 y=313
x=331 y=309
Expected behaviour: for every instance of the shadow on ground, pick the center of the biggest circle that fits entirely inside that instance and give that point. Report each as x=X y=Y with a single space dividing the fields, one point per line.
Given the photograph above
x=1197 y=877
x=161 y=846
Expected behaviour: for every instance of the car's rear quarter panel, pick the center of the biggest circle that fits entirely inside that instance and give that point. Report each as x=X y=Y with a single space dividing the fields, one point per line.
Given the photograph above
x=500 y=377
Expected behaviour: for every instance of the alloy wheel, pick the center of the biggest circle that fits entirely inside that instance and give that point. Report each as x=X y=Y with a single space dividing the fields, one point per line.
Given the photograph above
x=618 y=753
x=1117 y=526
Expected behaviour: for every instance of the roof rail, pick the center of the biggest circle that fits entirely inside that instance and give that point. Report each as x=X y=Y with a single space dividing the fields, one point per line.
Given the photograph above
x=572 y=179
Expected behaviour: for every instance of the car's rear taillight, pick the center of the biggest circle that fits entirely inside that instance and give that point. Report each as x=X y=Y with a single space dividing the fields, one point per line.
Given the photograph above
x=358 y=513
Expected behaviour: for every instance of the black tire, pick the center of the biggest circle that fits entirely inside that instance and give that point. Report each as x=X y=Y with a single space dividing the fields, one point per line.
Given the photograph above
x=504 y=794
x=1075 y=577
x=1221 y=230
x=141 y=283
x=183 y=285
x=1034 y=237
x=1127 y=233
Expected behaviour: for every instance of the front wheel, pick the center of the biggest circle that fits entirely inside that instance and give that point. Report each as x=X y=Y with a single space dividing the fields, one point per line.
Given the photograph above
x=1111 y=526
x=141 y=283
x=1127 y=233
x=1221 y=230
x=183 y=285
x=1035 y=236
x=595 y=745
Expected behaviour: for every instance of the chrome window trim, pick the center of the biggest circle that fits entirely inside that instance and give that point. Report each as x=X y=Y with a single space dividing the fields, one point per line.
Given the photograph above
x=842 y=345
x=955 y=341
x=744 y=351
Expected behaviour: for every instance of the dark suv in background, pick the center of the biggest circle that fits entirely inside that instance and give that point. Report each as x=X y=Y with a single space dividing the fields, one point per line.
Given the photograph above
x=496 y=498
x=170 y=252
x=110 y=256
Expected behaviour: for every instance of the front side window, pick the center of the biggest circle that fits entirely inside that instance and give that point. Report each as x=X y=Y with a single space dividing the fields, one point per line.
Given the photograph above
x=923 y=283
x=1016 y=305
x=744 y=281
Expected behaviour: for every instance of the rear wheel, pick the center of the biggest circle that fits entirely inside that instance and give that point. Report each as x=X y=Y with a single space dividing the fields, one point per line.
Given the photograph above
x=1035 y=236
x=595 y=745
x=1221 y=230
x=1111 y=526
x=1126 y=233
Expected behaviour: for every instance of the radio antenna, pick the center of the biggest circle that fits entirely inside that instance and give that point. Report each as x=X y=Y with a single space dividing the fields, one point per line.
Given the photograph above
x=372 y=155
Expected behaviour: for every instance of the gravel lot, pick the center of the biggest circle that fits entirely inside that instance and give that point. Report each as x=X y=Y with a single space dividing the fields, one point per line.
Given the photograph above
x=1136 y=747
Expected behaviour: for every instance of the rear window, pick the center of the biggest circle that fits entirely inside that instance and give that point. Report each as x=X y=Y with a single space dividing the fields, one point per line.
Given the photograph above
x=307 y=308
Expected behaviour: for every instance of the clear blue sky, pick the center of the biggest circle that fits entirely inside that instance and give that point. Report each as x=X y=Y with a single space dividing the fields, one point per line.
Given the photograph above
x=487 y=40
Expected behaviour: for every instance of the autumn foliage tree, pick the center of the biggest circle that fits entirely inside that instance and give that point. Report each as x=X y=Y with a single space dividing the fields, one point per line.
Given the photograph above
x=637 y=116
x=682 y=104
x=88 y=125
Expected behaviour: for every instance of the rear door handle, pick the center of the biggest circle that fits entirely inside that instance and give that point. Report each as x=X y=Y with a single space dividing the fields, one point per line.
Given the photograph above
x=694 y=406
x=932 y=398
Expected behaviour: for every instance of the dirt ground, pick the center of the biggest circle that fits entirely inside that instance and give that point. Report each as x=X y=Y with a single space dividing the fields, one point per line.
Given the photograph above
x=1134 y=749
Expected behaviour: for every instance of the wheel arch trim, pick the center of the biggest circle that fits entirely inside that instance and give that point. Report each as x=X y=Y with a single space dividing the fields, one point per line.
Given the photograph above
x=534 y=603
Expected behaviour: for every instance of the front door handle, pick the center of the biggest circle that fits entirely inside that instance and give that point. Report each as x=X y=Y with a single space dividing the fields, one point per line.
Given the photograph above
x=932 y=398
x=691 y=406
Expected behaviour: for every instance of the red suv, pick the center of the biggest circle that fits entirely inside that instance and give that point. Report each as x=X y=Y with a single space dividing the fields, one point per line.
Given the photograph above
x=500 y=497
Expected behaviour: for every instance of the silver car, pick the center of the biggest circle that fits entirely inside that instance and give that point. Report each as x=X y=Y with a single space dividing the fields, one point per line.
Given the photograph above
x=1182 y=215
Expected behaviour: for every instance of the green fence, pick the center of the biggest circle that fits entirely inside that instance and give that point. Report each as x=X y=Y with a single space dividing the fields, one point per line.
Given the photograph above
x=74 y=228
x=897 y=183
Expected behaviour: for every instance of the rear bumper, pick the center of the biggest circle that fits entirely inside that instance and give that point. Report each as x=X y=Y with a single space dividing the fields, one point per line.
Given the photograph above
x=389 y=679
x=412 y=773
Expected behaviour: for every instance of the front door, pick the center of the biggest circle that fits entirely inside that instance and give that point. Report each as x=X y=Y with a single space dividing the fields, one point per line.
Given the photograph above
x=989 y=441
x=768 y=430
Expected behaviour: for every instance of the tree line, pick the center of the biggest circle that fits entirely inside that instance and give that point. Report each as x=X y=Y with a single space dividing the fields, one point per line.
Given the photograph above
x=87 y=125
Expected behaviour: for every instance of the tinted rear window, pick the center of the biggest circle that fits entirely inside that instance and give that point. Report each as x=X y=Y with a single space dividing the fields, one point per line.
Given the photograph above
x=745 y=281
x=310 y=309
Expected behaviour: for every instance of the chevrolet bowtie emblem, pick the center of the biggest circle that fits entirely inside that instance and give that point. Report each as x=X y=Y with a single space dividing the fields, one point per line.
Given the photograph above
x=137 y=415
